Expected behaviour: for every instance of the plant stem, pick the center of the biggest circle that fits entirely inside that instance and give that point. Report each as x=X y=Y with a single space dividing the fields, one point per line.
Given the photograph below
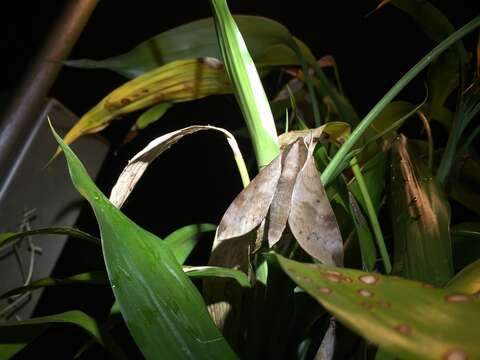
x=426 y=125
x=372 y=215
x=338 y=160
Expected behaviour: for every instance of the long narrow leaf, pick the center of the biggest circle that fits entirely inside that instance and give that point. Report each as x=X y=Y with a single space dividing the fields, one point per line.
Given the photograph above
x=6 y=238
x=162 y=308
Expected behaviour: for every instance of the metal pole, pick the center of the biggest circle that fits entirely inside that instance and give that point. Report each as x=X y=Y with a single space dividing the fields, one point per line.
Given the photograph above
x=30 y=95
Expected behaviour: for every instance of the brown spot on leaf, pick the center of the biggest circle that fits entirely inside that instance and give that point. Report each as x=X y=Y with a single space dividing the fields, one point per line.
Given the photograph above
x=333 y=277
x=347 y=279
x=428 y=286
x=366 y=305
x=125 y=101
x=455 y=354
x=365 y=293
x=384 y=304
x=403 y=328
x=458 y=298
x=324 y=290
x=368 y=279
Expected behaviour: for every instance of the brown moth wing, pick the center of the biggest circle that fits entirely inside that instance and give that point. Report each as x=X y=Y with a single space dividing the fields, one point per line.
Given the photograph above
x=312 y=220
x=293 y=160
x=250 y=207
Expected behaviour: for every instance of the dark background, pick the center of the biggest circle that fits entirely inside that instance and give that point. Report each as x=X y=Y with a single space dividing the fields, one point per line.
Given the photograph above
x=197 y=179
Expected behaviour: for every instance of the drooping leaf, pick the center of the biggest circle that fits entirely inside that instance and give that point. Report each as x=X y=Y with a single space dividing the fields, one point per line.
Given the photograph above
x=420 y=219
x=183 y=240
x=267 y=41
x=311 y=219
x=178 y=81
x=15 y=335
x=405 y=317
x=162 y=308
x=139 y=163
x=247 y=86
x=467 y=281
x=5 y=238
x=93 y=278
x=214 y=271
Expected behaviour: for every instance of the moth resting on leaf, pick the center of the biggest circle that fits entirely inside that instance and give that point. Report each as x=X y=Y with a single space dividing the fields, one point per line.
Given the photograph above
x=288 y=190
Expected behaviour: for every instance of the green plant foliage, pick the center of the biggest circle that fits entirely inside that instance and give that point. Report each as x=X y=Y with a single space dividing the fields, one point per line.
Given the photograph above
x=268 y=42
x=247 y=85
x=183 y=240
x=466 y=243
x=214 y=271
x=420 y=219
x=6 y=238
x=404 y=317
x=14 y=336
x=151 y=115
x=93 y=278
x=162 y=308
x=467 y=281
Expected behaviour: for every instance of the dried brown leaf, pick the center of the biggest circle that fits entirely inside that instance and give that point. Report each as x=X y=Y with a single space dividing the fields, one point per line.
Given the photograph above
x=139 y=163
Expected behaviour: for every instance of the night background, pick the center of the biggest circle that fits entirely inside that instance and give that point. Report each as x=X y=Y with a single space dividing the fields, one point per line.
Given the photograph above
x=197 y=179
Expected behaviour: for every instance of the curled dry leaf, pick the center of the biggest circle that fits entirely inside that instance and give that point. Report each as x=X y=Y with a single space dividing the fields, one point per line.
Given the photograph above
x=139 y=163
x=334 y=131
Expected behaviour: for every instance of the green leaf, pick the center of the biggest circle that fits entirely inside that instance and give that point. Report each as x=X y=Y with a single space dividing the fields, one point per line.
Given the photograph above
x=5 y=238
x=215 y=271
x=247 y=85
x=338 y=162
x=94 y=278
x=14 y=336
x=420 y=219
x=405 y=317
x=267 y=41
x=183 y=240
x=151 y=115
x=466 y=243
x=162 y=308
x=467 y=281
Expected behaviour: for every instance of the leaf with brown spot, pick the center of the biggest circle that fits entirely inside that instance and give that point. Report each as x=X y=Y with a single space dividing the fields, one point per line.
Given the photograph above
x=178 y=81
x=402 y=316
x=293 y=160
x=139 y=163
x=312 y=220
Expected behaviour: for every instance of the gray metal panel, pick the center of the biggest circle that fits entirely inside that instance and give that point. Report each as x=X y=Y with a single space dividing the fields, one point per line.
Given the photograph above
x=27 y=185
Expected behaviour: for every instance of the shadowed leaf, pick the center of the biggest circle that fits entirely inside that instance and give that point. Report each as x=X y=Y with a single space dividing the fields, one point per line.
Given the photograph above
x=268 y=42
x=93 y=278
x=14 y=336
x=420 y=218
x=404 y=317
x=214 y=271
x=5 y=238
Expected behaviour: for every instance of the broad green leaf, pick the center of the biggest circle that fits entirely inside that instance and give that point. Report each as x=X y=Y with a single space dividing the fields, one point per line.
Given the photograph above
x=94 y=278
x=215 y=271
x=420 y=219
x=247 y=85
x=267 y=41
x=183 y=240
x=466 y=244
x=15 y=335
x=5 y=238
x=405 y=317
x=178 y=81
x=162 y=308
x=467 y=281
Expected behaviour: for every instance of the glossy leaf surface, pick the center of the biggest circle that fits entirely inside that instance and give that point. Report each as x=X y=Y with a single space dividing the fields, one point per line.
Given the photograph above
x=404 y=317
